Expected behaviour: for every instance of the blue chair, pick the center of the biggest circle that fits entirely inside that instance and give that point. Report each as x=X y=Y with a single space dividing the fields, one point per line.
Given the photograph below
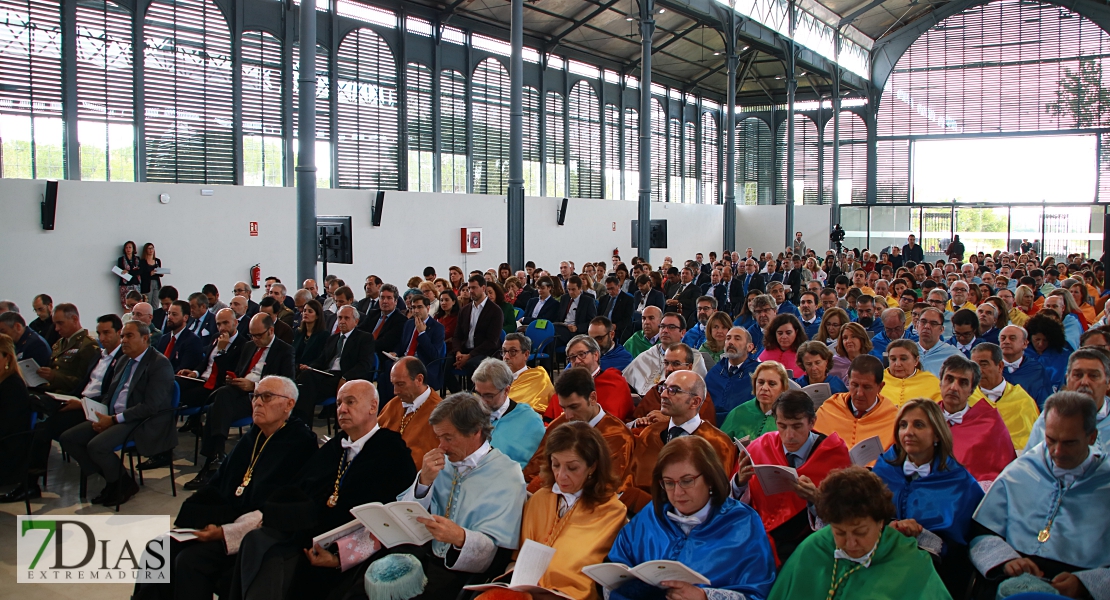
x=541 y=338
x=330 y=402
x=241 y=423
x=192 y=411
x=517 y=312
x=129 y=448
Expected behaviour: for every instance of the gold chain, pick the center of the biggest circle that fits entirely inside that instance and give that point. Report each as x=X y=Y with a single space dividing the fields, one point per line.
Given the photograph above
x=256 y=452
x=837 y=582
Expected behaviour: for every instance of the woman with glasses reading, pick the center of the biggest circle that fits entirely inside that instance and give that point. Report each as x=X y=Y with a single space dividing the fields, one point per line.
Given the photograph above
x=693 y=520
x=754 y=417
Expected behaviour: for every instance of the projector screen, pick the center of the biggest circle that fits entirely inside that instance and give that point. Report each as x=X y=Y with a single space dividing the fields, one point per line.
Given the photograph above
x=1006 y=170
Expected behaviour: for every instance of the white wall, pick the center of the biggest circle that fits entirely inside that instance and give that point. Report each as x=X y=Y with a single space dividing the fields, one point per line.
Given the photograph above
x=205 y=239
x=763 y=227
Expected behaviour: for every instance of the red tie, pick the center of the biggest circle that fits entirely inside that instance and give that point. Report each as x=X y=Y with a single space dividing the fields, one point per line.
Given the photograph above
x=169 y=346
x=412 y=345
x=211 y=383
x=254 y=360
x=378 y=327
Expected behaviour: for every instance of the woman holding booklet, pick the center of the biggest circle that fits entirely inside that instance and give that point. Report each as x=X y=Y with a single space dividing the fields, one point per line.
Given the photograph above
x=816 y=361
x=934 y=495
x=857 y=555
x=905 y=378
x=692 y=520
x=576 y=513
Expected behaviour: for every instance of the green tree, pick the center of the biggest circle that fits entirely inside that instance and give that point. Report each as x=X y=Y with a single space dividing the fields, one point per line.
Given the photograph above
x=1081 y=96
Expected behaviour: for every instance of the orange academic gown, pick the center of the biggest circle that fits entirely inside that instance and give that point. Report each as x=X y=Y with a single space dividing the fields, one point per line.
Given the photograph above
x=415 y=430
x=650 y=402
x=834 y=416
x=649 y=442
x=621 y=444
x=613 y=395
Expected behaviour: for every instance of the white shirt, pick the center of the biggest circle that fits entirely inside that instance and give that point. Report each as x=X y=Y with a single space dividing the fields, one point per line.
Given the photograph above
x=1104 y=411
x=954 y=418
x=517 y=374
x=1013 y=366
x=415 y=406
x=995 y=393
x=125 y=387
x=495 y=415
x=475 y=312
x=566 y=501
x=96 y=379
x=463 y=467
x=597 y=418
x=688 y=426
x=688 y=523
x=852 y=407
x=353 y=448
x=539 y=305
x=256 y=373
x=1070 y=475
x=864 y=560
x=572 y=312
x=212 y=356
x=338 y=355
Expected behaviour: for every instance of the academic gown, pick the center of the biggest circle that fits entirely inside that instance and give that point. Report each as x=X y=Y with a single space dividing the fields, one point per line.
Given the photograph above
x=612 y=394
x=730 y=390
x=621 y=443
x=1055 y=364
x=748 y=420
x=1036 y=436
x=1018 y=411
x=649 y=442
x=835 y=416
x=651 y=402
x=897 y=568
x=730 y=549
x=517 y=433
x=982 y=443
x=617 y=358
x=785 y=515
x=1031 y=377
x=637 y=344
x=1019 y=504
x=836 y=384
x=582 y=537
x=647 y=370
x=533 y=388
x=415 y=429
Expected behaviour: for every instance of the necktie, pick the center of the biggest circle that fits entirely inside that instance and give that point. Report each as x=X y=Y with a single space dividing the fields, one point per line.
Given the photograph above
x=378 y=327
x=339 y=346
x=675 y=433
x=120 y=383
x=794 y=460
x=211 y=383
x=909 y=469
x=254 y=360
x=733 y=370
x=169 y=346
x=412 y=345
x=612 y=305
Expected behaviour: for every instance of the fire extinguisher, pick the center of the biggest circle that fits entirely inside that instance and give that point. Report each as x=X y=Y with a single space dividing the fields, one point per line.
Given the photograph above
x=256 y=276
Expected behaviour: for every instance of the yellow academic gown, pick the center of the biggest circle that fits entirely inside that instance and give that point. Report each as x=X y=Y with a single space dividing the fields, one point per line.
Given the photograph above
x=921 y=384
x=1018 y=411
x=533 y=388
x=582 y=537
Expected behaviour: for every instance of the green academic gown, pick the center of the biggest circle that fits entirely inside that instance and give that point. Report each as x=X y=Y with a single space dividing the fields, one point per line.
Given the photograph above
x=896 y=567
x=748 y=420
x=637 y=344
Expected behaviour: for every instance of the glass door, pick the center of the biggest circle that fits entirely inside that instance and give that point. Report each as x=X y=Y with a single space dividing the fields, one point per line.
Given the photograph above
x=936 y=232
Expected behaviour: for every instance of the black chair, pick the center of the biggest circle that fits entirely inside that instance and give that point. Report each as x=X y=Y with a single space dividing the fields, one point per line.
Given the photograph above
x=21 y=440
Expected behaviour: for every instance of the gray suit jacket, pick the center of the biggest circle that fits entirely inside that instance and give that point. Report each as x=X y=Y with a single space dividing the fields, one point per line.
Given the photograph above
x=151 y=391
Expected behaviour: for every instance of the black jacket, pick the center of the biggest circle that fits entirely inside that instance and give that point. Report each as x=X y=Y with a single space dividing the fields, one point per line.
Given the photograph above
x=357 y=360
x=622 y=311
x=279 y=361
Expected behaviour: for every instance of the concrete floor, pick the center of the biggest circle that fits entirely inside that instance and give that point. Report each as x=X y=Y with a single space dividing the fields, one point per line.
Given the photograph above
x=61 y=498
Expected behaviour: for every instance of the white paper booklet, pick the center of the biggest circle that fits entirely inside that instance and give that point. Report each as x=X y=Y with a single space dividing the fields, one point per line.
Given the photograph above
x=531 y=564
x=91 y=408
x=818 y=392
x=613 y=575
x=395 y=523
x=30 y=368
x=776 y=479
x=865 y=452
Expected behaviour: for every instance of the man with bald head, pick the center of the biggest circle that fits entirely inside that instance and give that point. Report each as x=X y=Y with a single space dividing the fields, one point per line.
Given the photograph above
x=408 y=411
x=648 y=335
x=238 y=306
x=363 y=463
x=681 y=399
x=729 y=382
x=348 y=354
x=144 y=313
x=197 y=386
x=264 y=356
x=1019 y=369
x=242 y=289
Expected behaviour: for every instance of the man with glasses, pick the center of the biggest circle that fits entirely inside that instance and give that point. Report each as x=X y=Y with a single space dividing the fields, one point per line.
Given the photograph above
x=647 y=369
x=613 y=354
x=197 y=386
x=243 y=290
x=1019 y=369
x=933 y=351
x=894 y=328
x=965 y=331
x=144 y=313
x=517 y=429
x=695 y=336
x=265 y=355
x=938 y=298
x=681 y=398
x=764 y=310
x=531 y=386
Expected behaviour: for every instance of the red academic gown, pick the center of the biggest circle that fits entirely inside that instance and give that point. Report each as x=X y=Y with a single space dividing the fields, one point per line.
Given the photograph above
x=827 y=454
x=982 y=442
x=613 y=395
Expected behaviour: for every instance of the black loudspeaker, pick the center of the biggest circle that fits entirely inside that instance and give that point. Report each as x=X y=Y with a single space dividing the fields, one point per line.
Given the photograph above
x=376 y=210
x=561 y=214
x=50 y=205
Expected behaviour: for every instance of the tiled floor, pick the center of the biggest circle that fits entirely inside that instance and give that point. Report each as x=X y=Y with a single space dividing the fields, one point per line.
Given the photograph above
x=61 y=498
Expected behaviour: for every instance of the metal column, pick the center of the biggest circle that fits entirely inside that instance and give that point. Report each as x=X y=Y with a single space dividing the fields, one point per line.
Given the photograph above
x=71 y=150
x=647 y=31
x=306 y=132
x=834 y=212
x=729 y=128
x=516 y=138
x=791 y=88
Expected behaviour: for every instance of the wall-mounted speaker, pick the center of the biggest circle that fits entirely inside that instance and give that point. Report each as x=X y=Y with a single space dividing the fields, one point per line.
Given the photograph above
x=50 y=205
x=561 y=214
x=376 y=209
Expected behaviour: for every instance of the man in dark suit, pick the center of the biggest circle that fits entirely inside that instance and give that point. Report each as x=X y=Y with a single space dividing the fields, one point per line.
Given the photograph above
x=576 y=310
x=238 y=306
x=270 y=306
x=478 y=333
x=140 y=388
x=264 y=356
x=772 y=274
x=28 y=344
x=348 y=355
x=202 y=322
x=166 y=296
x=543 y=306
x=751 y=280
x=617 y=307
x=372 y=287
x=43 y=305
x=644 y=297
x=684 y=296
x=792 y=278
x=385 y=324
x=181 y=346
x=731 y=281
x=423 y=338
x=672 y=282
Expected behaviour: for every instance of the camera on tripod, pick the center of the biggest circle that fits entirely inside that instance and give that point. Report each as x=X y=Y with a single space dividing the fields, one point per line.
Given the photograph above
x=836 y=238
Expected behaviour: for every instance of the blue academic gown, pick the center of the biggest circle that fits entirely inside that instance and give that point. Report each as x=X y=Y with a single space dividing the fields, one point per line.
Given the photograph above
x=1031 y=377
x=744 y=321
x=757 y=339
x=1036 y=435
x=836 y=384
x=788 y=308
x=1055 y=363
x=1072 y=330
x=881 y=341
x=517 y=433
x=730 y=549
x=695 y=336
x=932 y=360
x=941 y=502
x=991 y=336
x=811 y=328
x=618 y=357
x=727 y=391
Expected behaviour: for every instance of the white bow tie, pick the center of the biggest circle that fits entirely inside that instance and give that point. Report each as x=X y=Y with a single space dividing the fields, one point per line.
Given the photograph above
x=908 y=469
x=955 y=419
x=409 y=408
x=346 y=443
x=1010 y=366
x=692 y=521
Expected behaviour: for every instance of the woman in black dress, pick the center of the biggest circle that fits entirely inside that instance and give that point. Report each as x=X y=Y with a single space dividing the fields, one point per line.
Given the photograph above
x=149 y=281
x=129 y=264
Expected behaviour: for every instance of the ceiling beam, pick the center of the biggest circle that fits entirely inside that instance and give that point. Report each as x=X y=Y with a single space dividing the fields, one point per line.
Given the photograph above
x=855 y=14
x=576 y=24
x=675 y=36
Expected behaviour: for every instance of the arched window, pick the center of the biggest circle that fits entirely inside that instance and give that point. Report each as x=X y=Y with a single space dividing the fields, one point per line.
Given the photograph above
x=367 y=145
x=105 y=92
x=532 y=162
x=452 y=132
x=420 y=128
x=805 y=160
x=31 y=89
x=324 y=149
x=710 y=158
x=188 y=91
x=585 y=139
x=612 y=152
x=555 y=146
x=658 y=152
x=490 y=92
x=262 y=126
x=754 y=162
x=853 y=159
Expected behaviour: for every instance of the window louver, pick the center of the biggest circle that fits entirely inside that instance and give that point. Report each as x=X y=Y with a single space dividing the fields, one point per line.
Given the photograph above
x=710 y=159
x=658 y=152
x=853 y=158
x=612 y=152
x=420 y=128
x=188 y=93
x=585 y=140
x=490 y=162
x=690 y=162
x=263 y=154
x=367 y=144
x=531 y=141
x=555 y=145
x=631 y=154
x=105 y=92
x=674 y=161
x=755 y=162
x=452 y=132
x=805 y=160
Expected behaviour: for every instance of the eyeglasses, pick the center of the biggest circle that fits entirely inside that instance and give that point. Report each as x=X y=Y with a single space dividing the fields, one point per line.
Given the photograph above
x=258 y=336
x=677 y=364
x=512 y=352
x=669 y=326
x=238 y=290
x=684 y=483
x=577 y=355
x=266 y=397
x=671 y=389
x=490 y=397
x=923 y=322
x=935 y=301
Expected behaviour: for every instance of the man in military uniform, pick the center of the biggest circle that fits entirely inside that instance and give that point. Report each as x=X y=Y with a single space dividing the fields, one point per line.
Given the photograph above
x=72 y=356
